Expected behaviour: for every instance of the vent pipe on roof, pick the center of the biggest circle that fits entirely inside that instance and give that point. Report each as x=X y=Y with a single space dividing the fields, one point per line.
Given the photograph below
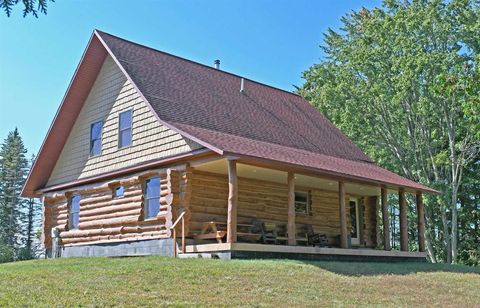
x=216 y=64
x=242 y=85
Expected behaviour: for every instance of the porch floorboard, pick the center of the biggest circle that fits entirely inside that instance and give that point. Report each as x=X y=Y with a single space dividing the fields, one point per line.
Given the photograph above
x=281 y=251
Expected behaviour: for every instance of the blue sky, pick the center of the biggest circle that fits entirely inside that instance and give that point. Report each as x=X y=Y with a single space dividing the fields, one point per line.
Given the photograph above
x=268 y=41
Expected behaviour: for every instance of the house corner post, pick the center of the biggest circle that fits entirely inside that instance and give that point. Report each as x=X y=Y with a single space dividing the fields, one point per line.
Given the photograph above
x=420 y=222
x=386 y=223
x=343 y=215
x=232 y=201
x=291 y=230
x=403 y=220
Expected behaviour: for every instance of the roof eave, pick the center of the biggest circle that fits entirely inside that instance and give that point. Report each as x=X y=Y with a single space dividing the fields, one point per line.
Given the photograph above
x=42 y=158
x=332 y=175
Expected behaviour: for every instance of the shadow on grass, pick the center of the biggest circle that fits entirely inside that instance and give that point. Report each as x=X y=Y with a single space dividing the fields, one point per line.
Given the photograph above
x=389 y=268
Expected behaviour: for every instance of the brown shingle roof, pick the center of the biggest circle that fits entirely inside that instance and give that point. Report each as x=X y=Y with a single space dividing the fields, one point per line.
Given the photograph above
x=206 y=105
x=187 y=93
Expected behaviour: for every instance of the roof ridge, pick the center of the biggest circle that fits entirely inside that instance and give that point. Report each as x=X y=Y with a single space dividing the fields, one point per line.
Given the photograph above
x=200 y=64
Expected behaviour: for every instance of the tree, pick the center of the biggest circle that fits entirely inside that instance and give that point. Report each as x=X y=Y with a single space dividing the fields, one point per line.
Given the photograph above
x=13 y=172
x=29 y=6
x=31 y=224
x=402 y=82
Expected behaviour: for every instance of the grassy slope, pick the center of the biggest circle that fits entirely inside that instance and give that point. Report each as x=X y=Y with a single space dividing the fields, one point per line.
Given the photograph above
x=155 y=280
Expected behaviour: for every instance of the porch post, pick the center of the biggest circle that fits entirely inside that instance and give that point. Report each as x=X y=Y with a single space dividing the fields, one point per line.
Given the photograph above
x=403 y=220
x=291 y=209
x=232 y=201
x=420 y=222
x=386 y=223
x=343 y=215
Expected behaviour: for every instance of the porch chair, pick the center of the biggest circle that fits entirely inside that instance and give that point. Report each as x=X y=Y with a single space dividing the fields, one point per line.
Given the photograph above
x=267 y=236
x=315 y=239
x=281 y=234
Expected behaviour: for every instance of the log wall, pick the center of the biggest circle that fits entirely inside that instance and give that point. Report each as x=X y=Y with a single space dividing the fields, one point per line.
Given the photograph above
x=104 y=218
x=268 y=202
x=370 y=221
x=203 y=196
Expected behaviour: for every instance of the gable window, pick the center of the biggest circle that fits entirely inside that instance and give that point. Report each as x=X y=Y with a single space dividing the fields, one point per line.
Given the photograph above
x=125 y=129
x=96 y=138
x=302 y=202
x=118 y=191
x=74 y=212
x=152 y=197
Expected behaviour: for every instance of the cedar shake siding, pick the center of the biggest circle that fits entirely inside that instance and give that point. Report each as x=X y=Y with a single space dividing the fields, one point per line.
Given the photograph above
x=111 y=94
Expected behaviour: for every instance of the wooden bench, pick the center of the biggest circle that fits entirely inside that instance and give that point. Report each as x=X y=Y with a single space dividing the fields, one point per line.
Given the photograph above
x=217 y=230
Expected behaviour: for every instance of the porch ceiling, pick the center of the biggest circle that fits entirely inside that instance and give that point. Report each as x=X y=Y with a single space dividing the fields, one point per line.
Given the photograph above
x=277 y=176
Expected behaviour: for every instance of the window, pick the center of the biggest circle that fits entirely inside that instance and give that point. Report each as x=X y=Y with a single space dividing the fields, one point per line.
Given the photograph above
x=74 y=212
x=302 y=202
x=125 y=129
x=118 y=191
x=152 y=197
x=96 y=138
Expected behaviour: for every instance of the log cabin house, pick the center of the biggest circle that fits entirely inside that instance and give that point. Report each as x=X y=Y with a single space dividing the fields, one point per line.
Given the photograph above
x=150 y=153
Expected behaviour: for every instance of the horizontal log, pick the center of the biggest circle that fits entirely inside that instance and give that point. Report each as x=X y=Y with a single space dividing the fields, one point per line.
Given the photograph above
x=110 y=222
x=49 y=197
x=167 y=200
x=112 y=202
x=102 y=198
x=112 y=215
x=115 y=239
x=90 y=233
x=133 y=192
x=92 y=189
x=55 y=221
x=142 y=235
x=141 y=229
x=110 y=209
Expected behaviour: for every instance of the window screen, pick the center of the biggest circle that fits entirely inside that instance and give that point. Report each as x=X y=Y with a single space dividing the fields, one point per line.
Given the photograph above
x=152 y=197
x=302 y=202
x=125 y=129
x=118 y=191
x=74 y=213
x=96 y=138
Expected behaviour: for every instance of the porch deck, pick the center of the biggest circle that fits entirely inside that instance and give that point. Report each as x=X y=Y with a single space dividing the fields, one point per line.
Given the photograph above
x=264 y=251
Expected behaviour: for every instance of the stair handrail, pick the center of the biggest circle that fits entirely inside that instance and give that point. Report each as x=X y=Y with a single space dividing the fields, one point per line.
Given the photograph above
x=180 y=217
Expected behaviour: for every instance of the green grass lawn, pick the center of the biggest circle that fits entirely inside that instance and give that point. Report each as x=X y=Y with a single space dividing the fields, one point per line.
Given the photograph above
x=156 y=281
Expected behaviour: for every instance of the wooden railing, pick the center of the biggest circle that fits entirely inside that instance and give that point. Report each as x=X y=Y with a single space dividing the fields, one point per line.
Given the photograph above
x=175 y=234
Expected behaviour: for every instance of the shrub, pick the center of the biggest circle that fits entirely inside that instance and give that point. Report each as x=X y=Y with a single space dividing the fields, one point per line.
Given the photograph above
x=6 y=253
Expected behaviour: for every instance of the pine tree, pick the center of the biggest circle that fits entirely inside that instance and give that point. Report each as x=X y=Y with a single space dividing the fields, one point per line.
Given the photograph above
x=31 y=224
x=13 y=172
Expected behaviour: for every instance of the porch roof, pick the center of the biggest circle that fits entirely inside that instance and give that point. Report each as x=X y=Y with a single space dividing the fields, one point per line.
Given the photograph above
x=333 y=166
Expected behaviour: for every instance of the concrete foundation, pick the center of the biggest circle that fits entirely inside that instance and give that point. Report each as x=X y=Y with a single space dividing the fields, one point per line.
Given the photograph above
x=160 y=247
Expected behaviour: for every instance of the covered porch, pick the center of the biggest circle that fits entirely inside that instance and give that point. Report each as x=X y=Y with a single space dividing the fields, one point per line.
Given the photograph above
x=305 y=214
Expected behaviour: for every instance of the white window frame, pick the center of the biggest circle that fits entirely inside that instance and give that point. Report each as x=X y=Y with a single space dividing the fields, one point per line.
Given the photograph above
x=91 y=140
x=114 y=192
x=355 y=240
x=307 y=204
x=120 y=130
x=146 y=198
x=71 y=212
